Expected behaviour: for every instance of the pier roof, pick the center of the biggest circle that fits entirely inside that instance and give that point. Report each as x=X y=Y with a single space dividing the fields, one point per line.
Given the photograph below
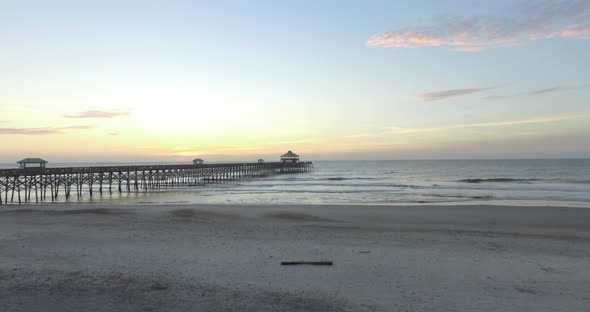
x=32 y=161
x=289 y=154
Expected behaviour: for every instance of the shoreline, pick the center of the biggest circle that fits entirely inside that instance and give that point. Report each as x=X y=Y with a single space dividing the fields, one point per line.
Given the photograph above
x=486 y=203
x=227 y=257
x=271 y=205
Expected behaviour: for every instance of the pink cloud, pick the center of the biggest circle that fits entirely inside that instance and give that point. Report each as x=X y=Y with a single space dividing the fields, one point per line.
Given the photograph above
x=582 y=32
x=27 y=131
x=540 y=20
x=99 y=114
x=41 y=131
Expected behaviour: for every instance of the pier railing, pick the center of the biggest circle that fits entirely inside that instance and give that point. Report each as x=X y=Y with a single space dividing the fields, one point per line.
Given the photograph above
x=26 y=185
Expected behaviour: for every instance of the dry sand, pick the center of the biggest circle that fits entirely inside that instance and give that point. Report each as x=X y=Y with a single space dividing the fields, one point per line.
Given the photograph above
x=227 y=258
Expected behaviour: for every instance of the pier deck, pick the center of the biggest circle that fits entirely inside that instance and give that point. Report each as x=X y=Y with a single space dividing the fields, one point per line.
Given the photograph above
x=34 y=184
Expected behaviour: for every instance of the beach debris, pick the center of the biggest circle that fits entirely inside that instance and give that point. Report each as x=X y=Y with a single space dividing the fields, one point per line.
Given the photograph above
x=158 y=286
x=365 y=251
x=307 y=262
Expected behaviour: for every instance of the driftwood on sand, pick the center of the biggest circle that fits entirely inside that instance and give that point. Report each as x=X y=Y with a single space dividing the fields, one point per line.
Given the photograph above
x=306 y=262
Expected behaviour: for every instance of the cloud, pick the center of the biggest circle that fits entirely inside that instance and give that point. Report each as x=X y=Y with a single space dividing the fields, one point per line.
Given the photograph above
x=546 y=90
x=27 y=131
x=445 y=94
x=535 y=120
x=100 y=114
x=536 y=92
x=40 y=131
x=535 y=21
x=577 y=31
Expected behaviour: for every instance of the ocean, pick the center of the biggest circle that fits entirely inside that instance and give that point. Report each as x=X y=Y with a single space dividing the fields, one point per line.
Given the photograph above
x=559 y=182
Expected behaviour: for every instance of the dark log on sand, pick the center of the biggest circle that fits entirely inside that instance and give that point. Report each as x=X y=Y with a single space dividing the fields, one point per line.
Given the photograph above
x=306 y=262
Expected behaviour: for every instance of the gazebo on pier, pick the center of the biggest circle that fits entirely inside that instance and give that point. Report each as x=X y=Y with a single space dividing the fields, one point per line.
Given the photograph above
x=290 y=157
x=32 y=161
x=197 y=161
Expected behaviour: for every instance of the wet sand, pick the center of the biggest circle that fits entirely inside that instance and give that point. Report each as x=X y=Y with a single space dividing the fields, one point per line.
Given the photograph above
x=227 y=258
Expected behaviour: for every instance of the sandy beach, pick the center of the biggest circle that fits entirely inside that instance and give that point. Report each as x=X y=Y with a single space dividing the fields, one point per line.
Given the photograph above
x=227 y=258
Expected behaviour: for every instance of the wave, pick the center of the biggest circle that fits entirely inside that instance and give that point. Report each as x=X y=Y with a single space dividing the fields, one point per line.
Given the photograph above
x=340 y=185
x=492 y=180
x=343 y=179
x=251 y=192
x=580 y=182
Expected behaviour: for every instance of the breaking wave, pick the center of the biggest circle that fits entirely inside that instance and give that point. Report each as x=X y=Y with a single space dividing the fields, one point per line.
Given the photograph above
x=492 y=180
x=343 y=179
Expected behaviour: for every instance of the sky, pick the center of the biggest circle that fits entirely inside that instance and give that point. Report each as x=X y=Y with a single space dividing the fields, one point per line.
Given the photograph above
x=239 y=80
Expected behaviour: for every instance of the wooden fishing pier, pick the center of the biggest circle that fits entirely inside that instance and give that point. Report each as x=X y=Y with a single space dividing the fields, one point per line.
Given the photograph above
x=26 y=184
